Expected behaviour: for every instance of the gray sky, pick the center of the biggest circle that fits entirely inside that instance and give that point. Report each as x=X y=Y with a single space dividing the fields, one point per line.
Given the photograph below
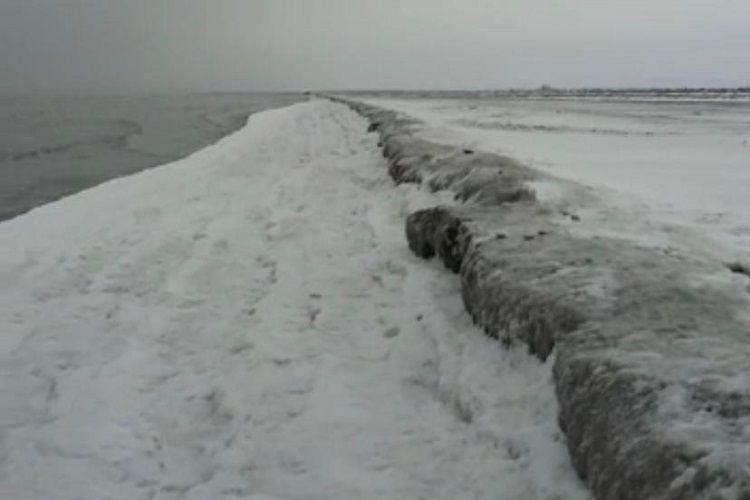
x=151 y=45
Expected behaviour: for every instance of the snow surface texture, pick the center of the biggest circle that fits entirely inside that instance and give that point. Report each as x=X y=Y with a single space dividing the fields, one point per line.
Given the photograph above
x=248 y=323
x=666 y=174
x=652 y=359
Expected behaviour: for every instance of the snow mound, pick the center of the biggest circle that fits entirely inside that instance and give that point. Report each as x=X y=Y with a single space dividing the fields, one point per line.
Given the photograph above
x=651 y=357
x=248 y=323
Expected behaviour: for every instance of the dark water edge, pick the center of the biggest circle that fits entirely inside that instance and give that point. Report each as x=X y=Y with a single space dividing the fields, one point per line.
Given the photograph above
x=54 y=146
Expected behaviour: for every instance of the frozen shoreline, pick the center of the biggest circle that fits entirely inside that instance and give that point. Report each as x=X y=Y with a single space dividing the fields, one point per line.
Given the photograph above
x=651 y=354
x=668 y=175
x=248 y=322
x=54 y=146
x=196 y=337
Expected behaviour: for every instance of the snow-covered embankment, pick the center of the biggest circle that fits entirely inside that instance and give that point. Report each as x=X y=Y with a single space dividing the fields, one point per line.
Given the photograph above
x=248 y=323
x=650 y=359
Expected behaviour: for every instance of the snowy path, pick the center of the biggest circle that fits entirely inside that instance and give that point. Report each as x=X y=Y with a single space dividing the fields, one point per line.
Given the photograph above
x=248 y=323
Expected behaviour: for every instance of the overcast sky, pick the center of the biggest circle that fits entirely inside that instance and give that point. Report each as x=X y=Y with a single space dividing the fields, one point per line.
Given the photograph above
x=152 y=45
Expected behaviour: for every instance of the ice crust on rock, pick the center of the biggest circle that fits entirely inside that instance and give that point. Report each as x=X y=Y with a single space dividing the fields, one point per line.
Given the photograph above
x=648 y=354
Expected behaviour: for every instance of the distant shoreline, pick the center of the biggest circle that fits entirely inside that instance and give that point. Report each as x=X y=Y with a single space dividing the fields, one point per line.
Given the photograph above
x=704 y=93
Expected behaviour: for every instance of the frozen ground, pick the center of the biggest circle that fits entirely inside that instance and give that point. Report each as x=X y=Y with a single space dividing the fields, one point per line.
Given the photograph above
x=249 y=323
x=673 y=173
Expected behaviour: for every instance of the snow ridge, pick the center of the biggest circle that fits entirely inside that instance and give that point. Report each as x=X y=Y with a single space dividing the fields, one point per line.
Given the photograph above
x=651 y=358
x=248 y=323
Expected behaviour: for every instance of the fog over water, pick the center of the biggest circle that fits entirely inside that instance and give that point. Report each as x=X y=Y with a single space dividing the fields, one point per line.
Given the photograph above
x=61 y=46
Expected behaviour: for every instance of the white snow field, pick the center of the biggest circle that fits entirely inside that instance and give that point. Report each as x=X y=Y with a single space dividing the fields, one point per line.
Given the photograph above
x=249 y=323
x=669 y=173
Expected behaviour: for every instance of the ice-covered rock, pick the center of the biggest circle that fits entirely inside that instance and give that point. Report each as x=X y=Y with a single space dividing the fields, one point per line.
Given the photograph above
x=650 y=359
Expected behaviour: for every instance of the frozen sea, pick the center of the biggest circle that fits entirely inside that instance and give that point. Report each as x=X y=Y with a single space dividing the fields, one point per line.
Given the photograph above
x=671 y=171
x=247 y=322
x=53 y=146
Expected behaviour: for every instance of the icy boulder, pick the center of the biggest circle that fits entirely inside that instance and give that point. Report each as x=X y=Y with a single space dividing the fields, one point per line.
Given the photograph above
x=651 y=361
x=647 y=360
x=480 y=177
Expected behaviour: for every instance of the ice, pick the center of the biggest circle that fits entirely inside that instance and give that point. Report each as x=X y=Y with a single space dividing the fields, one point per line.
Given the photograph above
x=668 y=172
x=249 y=323
x=650 y=342
x=53 y=146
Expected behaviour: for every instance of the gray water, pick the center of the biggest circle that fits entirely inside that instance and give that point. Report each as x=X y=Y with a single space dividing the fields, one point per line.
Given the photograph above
x=51 y=147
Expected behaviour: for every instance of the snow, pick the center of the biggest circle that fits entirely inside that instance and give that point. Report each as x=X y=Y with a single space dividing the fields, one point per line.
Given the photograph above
x=673 y=173
x=248 y=323
x=656 y=376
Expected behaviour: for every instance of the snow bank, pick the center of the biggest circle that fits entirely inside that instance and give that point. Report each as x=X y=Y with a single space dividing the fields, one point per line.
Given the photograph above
x=248 y=323
x=651 y=359
x=673 y=175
